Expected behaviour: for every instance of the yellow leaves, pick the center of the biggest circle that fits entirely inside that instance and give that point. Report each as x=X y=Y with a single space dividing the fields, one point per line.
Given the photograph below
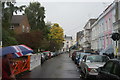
x=56 y=33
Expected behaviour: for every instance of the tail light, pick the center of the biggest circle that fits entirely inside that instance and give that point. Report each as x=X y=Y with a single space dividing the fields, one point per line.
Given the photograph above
x=89 y=69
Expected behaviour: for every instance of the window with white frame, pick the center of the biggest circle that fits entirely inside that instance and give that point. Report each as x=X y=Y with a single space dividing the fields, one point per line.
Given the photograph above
x=12 y=27
x=109 y=25
x=103 y=28
x=106 y=27
x=27 y=29
x=23 y=28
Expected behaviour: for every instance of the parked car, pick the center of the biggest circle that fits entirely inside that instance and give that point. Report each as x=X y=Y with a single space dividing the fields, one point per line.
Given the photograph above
x=81 y=56
x=91 y=63
x=56 y=53
x=42 y=57
x=75 y=55
x=110 y=71
x=61 y=52
x=47 y=54
x=52 y=54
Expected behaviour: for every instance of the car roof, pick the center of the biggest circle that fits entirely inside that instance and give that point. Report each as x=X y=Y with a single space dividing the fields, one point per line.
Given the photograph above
x=88 y=53
x=95 y=55
x=46 y=51
x=77 y=51
x=115 y=59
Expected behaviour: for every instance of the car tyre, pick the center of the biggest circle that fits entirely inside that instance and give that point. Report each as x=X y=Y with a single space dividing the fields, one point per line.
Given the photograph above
x=82 y=74
x=86 y=76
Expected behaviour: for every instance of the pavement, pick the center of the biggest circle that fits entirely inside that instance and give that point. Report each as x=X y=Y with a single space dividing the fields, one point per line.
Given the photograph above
x=58 y=67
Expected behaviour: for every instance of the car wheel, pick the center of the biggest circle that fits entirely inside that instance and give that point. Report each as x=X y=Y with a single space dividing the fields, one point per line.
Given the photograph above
x=98 y=77
x=82 y=74
x=86 y=76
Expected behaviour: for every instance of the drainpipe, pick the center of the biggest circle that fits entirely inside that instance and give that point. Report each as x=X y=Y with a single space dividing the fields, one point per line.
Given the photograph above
x=119 y=28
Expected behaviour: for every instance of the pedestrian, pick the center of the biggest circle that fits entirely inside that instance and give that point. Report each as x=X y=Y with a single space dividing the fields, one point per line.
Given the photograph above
x=6 y=69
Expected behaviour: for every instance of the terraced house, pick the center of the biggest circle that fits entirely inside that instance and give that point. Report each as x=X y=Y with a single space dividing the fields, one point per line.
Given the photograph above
x=116 y=25
x=97 y=33
x=103 y=28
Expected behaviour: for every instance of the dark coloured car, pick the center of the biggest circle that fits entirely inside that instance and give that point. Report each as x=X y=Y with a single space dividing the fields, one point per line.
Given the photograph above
x=110 y=71
x=74 y=54
x=77 y=57
x=56 y=53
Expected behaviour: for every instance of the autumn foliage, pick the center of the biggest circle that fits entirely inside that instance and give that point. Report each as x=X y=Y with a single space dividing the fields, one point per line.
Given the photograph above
x=56 y=37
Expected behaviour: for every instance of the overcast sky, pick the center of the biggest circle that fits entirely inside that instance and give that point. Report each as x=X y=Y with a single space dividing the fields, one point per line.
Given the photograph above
x=71 y=16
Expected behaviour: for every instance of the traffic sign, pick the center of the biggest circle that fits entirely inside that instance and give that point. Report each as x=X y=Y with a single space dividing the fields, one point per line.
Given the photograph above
x=115 y=36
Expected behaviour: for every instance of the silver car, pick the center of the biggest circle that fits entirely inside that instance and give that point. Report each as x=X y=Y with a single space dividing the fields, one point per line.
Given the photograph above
x=81 y=56
x=90 y=64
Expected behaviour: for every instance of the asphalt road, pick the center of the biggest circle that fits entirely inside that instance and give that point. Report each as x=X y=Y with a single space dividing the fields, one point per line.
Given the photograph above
x=58 y=67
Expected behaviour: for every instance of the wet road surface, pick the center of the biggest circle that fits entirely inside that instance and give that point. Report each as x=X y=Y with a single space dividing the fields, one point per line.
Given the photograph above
x=58 y=67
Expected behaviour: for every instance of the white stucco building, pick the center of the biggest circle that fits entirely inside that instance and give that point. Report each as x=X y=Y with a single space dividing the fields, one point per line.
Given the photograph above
x=67 y=43
x=88 y=34
x=116 y=26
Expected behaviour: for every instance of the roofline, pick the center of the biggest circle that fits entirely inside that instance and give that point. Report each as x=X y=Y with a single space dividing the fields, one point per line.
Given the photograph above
x=115 y=59
x=25 y=16
x=89 y=21
x=104 y=13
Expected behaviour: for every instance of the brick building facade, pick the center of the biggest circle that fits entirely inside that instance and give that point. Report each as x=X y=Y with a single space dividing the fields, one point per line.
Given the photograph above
x=20 y=24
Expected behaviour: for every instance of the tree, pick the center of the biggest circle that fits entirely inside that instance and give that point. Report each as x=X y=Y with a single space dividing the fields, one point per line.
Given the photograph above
x=56 y=37
x=56 y=33
x=8 y=38
x=35 y=13
x=34 y=39
x=8 y=11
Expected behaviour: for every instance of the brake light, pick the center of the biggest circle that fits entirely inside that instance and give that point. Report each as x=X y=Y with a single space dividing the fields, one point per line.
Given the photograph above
x=89 y=69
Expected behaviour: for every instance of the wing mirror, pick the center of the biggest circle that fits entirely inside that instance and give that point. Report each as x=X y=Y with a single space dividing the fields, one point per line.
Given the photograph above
x=100 y=69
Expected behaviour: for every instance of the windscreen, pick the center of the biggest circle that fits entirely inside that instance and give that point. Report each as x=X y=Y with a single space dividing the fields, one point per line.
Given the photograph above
x=97 y=58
